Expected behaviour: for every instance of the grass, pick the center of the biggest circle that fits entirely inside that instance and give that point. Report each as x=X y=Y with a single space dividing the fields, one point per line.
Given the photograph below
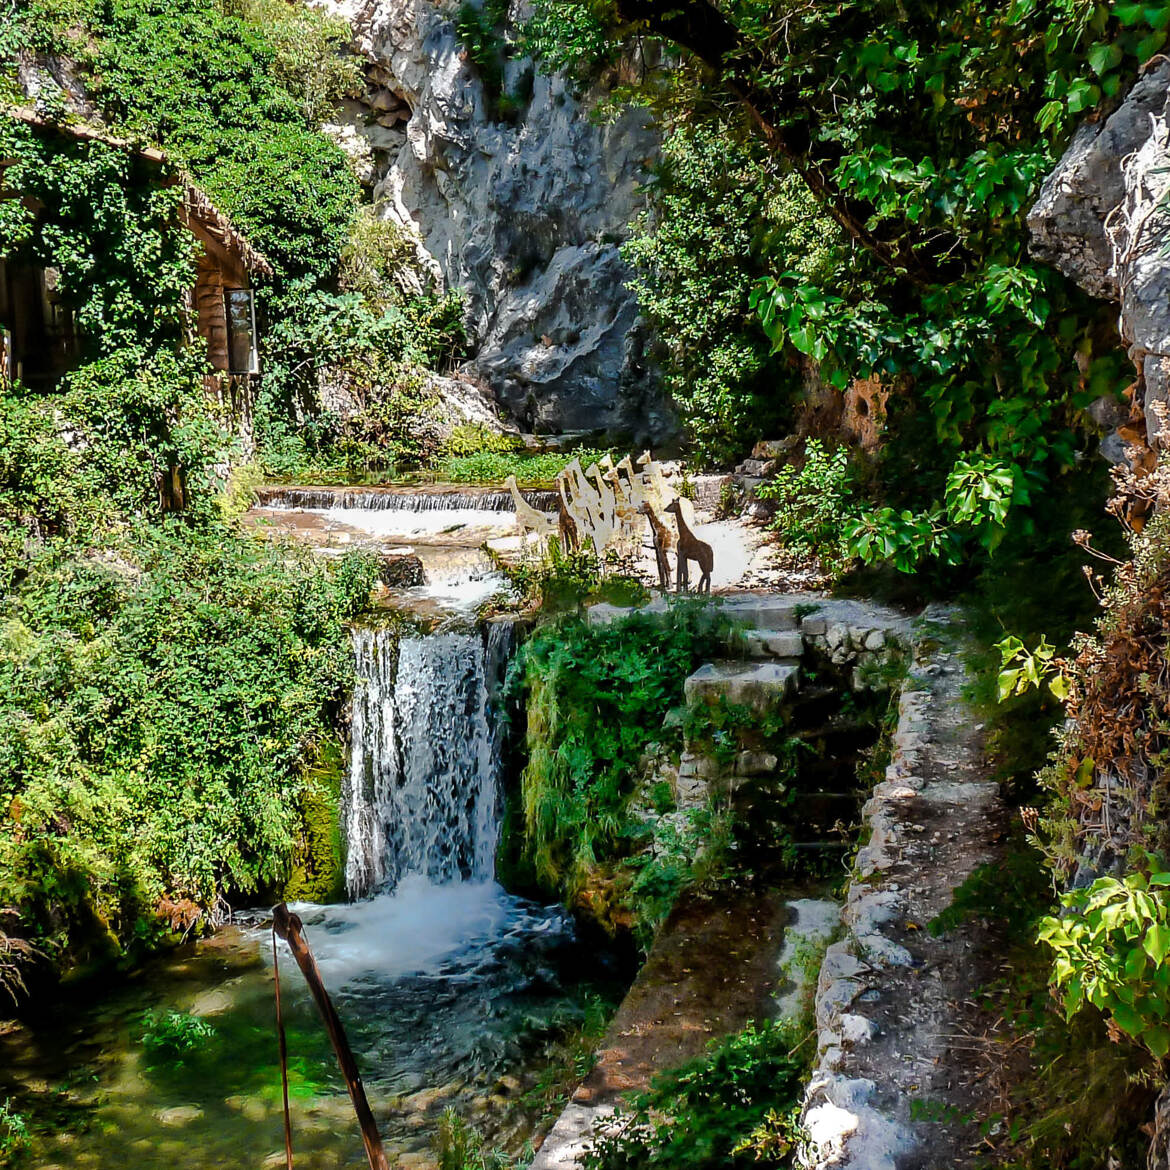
x=495 y=466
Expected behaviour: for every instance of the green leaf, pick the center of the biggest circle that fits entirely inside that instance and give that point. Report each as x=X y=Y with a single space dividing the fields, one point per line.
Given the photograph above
x=1157 y=1040
x=1135 y=964
x=1128 y=1020
x=1156 y=943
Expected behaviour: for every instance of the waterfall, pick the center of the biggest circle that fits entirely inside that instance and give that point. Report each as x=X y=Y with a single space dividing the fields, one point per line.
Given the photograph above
x=385 y=499
x=422 y=795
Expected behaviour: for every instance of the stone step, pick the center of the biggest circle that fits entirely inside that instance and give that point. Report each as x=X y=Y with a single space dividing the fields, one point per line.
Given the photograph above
x=757 y=685
x=764 y=611
x=774 y=643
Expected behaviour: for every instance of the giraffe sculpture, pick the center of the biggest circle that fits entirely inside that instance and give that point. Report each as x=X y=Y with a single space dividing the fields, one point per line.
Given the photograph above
x=690 y=548
x=662 y=537
x=566 y=520
x=655 y=495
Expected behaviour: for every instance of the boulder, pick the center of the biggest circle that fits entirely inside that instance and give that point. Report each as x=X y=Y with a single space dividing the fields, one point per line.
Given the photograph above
x=1101 y=218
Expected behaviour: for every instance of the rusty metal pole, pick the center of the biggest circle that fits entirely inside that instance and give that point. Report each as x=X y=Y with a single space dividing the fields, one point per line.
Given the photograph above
x=289 y=927
x=282 y=1045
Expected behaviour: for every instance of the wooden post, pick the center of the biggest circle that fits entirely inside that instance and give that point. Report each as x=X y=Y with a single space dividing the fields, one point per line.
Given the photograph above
x=289 y=927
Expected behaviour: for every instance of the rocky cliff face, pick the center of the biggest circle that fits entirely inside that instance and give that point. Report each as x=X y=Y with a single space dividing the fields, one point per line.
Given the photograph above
x=1103 y=219
x=525 y=215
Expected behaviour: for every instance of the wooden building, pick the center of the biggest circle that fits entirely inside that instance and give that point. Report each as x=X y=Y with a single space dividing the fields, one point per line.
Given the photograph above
x=39 y=340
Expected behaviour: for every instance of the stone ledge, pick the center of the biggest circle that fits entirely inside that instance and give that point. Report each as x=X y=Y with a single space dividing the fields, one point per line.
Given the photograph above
x=853 y=1121
x=759 y=686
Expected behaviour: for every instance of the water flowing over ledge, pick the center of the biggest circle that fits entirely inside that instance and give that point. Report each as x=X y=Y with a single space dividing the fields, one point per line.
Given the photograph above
x=429 y=498
x=423 y=791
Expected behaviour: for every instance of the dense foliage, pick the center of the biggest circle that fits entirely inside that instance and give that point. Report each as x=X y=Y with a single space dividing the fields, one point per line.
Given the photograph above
x=347 y=304
x=597 y=696
x=926 y=163
x=716 y=204
x=170 y=686
x=158 y=709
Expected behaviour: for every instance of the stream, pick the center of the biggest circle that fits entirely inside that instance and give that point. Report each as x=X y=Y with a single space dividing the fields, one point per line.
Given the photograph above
x=454 y=992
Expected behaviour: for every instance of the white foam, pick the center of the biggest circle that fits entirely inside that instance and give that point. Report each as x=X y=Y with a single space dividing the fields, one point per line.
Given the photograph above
x=410 y=931
x=396 y=522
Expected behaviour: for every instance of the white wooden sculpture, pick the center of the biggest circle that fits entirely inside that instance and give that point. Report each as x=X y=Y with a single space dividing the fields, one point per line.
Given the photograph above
x=628 y=538
x=584 y=498
x=603 y=506
x=606 y=522
x=658 y=491
x=633 y=482
x=529 y=519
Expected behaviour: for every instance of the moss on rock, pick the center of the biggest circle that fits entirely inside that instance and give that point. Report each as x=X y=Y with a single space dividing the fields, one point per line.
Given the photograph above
x=318 y=863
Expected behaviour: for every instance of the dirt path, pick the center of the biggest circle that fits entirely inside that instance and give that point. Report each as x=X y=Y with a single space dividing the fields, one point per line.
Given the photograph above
x=713 y=968
x=895 y=1084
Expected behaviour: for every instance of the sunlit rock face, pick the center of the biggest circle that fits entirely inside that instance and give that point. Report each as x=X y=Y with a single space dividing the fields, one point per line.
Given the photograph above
x=1103 y=219
x=525 y=215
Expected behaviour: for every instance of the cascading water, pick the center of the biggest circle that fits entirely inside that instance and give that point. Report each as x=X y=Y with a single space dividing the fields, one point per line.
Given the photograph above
x=423 y=793
x=400 y=500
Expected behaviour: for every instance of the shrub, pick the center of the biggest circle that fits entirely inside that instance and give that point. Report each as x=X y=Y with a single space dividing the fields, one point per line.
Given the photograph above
x=461 y=1146
x=476 y=439
x=738 y=1105
x=815 y=504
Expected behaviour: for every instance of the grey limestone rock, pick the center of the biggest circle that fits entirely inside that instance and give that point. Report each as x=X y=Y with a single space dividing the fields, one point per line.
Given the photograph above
x=525 y=215
x=1102 y=219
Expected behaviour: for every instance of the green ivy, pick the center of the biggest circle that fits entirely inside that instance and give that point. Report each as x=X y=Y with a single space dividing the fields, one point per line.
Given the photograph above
x=596 y=697
x=159 y=702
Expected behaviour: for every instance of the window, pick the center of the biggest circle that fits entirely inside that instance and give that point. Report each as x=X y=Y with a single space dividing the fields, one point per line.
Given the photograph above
x=241 y=326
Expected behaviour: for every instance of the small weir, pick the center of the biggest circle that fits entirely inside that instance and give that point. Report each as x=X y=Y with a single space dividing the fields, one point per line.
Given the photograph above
x=428 y=498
